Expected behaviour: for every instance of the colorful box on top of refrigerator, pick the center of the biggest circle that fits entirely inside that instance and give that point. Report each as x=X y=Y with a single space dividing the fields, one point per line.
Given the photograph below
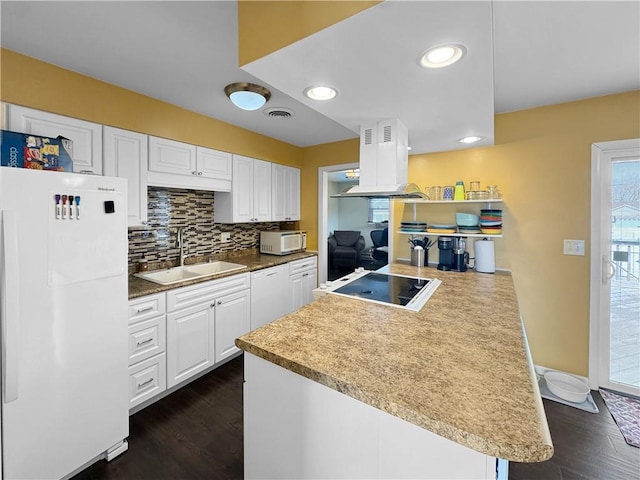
x=22 y=150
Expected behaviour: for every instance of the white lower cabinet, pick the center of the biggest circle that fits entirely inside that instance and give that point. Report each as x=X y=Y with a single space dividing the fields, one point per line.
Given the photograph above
x=190 y=342
x=232 y=320
x=147 y=336
x=147 y=379
x=203 y=322
x=303 y=279
x=176 y=335
x=270 y=295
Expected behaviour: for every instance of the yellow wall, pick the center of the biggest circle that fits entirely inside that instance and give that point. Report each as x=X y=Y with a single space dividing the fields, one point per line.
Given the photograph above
x=337 y=153
x=32 y=83
x=267 y=26
x=541 y=161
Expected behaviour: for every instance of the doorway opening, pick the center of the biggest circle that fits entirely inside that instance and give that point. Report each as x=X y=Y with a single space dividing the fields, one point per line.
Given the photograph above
x=359 y=215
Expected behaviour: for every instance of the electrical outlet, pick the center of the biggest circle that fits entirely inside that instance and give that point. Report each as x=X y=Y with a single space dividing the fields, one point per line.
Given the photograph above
x=225 y=237
x=574 y=247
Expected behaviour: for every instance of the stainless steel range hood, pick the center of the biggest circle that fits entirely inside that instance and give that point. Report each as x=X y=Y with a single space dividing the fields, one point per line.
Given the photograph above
x=384 y=159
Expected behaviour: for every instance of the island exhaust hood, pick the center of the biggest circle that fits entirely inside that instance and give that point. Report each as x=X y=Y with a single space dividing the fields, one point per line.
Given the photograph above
x=384 y=159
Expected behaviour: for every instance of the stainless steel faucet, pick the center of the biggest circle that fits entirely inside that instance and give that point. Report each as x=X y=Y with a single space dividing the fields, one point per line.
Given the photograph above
x=180 y=243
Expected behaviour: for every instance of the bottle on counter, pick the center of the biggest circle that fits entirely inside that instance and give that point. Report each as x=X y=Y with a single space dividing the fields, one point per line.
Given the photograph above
x=458 y=193
x=143 y=265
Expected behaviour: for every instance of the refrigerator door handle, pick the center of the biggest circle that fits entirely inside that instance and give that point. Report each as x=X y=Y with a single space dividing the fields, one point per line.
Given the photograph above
x=10 y=309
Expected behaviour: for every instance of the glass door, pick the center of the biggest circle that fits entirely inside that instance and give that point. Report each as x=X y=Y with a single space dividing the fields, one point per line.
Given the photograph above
x=619 y=276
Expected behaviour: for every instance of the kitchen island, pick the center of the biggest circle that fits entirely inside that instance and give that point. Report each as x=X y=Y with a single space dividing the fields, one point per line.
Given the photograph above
x=344 y=388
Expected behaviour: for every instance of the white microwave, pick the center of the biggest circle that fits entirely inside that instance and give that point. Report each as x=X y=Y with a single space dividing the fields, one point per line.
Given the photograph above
x=282 y=242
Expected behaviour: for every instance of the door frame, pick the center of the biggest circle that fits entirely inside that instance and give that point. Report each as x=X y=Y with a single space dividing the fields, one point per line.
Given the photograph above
x=323 y=214
x=600 y=152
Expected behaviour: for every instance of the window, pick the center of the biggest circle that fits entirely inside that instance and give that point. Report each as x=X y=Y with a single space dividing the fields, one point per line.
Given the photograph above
x=378 y=210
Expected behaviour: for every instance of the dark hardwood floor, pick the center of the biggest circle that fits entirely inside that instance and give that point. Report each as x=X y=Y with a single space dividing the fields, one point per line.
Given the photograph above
x=196 y=433
x=586 y=446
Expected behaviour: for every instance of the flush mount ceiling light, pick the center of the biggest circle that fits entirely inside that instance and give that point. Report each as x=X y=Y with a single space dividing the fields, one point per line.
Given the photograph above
x=441 y=56
x=470 y=139
x=247 y=96
x=320 y=92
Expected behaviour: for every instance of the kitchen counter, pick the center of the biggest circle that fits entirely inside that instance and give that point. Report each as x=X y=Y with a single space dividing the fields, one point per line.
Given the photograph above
x=251 y=258
x=459 y=367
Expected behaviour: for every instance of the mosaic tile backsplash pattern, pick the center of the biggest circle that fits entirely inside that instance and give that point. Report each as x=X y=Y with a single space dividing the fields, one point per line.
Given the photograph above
x=170 y=208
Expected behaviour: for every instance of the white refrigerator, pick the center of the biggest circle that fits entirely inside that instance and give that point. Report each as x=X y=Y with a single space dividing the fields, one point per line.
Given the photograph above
x=63 y=313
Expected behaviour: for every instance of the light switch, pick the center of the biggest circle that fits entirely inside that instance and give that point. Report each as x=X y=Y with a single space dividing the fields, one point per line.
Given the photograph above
x=574 y=247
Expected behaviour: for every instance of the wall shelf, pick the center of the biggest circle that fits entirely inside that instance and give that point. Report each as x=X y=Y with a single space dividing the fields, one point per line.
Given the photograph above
x=468 y=235
x=450 y=202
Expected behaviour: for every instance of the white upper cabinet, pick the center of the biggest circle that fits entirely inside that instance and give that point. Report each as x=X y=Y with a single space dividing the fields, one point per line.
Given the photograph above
x=125 y=155
x=261 y=191
x=213 y=163
x=182 y=165
x=169 y=156
x=285 y=192
x=86 y=136
x=250 y=196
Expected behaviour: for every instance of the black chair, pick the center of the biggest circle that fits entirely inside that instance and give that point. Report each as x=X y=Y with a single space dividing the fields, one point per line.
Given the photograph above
x=380 y=250
x=345 y=247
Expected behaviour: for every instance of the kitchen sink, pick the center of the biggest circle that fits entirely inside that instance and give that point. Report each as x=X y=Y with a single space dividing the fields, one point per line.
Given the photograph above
x=188 y=272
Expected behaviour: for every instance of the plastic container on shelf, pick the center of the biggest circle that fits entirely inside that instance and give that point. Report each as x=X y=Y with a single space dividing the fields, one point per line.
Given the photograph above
x=458 y=193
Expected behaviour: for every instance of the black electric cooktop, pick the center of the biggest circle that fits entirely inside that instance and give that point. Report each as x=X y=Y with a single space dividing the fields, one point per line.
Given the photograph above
x=394 y=290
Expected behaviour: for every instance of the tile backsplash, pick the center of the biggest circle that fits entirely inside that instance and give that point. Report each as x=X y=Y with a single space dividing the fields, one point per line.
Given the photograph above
x=170 y=208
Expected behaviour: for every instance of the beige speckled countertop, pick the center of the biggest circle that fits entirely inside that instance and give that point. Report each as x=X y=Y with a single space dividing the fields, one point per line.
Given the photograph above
x=254 y=260
x=459 y=367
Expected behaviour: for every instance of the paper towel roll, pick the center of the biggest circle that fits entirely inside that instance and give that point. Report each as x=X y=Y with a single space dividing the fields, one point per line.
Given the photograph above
x=485 y=256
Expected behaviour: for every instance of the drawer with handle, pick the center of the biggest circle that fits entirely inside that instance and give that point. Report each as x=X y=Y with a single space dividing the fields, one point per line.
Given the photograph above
x=147 y=379
x=146 y=339
x=144 y=308
x=297 y=266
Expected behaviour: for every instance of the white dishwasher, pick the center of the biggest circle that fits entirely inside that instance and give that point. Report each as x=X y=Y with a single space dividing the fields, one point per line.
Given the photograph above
x=270 y=295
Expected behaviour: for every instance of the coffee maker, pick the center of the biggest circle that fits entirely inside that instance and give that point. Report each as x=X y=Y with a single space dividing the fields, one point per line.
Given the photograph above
x=460 y=254
x=445 y=259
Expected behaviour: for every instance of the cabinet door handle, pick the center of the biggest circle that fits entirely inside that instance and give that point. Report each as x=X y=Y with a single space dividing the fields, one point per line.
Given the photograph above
x=148 y=340
x=144 y=384
x=144 y=309
x=608 y=269
x=271 y=274
x=213 y=304
x=194 y=173
x=199 y=173
x=219 y=302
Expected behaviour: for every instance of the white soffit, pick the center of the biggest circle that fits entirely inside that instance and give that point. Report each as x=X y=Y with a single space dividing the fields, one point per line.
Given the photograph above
x=371 y=58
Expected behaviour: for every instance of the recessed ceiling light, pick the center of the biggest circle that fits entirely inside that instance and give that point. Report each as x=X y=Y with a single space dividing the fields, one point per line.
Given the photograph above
x=320 y=92
x=247 y=96
x=441 y=56
x=470 y=139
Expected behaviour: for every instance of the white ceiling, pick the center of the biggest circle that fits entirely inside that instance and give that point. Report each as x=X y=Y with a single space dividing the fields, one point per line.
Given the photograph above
x=520 y=55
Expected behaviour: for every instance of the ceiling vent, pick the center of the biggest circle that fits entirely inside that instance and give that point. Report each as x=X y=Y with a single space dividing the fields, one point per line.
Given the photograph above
x=278 y=112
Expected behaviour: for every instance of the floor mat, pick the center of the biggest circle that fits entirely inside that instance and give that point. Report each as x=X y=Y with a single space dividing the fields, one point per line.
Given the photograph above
x=626 y=412
x=589 y=405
